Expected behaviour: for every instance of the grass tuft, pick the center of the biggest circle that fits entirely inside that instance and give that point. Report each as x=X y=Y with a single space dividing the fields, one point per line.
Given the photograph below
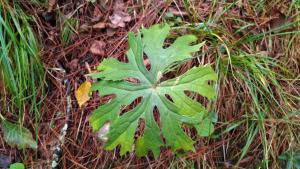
x=21 y=70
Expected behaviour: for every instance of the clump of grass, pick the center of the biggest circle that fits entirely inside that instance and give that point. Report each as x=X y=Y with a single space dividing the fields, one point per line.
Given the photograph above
x=258 y=102
x=264 y=102
x=68 y=29
x=21 y=70
x=265 y=107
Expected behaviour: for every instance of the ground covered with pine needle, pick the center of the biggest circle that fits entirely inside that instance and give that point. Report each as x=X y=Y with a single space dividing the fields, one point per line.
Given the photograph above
x=254 y=47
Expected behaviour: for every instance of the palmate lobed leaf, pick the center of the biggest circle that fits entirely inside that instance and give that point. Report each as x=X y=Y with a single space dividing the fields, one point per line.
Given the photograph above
x=172 y=114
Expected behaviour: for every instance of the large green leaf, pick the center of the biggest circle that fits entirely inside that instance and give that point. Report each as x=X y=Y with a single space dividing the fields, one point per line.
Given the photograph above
x=16 y=135
x=174 y=112
x=17 y=166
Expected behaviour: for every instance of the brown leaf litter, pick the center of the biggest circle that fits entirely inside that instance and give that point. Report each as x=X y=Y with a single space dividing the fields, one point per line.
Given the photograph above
x=98 y=48
x=119 y=17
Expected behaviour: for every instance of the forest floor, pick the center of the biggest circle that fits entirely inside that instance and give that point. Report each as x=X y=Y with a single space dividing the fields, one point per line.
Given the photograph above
x=254 y=46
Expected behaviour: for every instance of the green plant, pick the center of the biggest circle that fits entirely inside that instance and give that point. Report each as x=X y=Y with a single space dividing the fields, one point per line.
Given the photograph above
x=290 y=159
x=69 y=28
x=17 y=166
x=133 y=82
x=16 y=135
x=21 y=72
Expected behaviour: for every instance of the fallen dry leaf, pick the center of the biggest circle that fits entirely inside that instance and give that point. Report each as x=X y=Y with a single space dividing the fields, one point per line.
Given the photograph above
x=119 y=17
x=110 y=32
x=279 y=20
x=97 y=48
x=97 y=15
x=84 y=27
x=177 y=12
x=73 y=65
x=82 y=93
x=100 y=25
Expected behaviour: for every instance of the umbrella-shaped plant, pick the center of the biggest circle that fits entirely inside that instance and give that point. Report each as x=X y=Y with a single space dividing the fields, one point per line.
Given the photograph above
x=167 y=97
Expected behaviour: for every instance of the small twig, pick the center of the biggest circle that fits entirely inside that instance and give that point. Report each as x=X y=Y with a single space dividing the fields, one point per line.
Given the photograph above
x=63 y=131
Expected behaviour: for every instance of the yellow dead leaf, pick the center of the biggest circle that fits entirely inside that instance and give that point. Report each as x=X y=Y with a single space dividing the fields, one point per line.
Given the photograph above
x=82 y=93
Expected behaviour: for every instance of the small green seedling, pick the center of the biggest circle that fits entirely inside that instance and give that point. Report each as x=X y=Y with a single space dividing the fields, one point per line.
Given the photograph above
x=17 y=166
x=132 y=80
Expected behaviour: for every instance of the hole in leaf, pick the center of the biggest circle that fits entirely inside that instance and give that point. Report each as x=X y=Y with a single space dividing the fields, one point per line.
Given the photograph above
x=131 y=106
x=169 y=97
x=132 y=80
x=195 y=96
x=147 y=62
x=124 y=60
x=107 y=98
x=209 y=82
x=121 y=57
x=168 y=43
x=176 y=70
x=140 y=128
x=180 y=151
x=156 y=116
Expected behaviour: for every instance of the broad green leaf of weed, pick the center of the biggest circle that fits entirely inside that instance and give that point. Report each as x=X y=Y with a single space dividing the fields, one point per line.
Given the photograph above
x=168 y=97
x=17 y=166
x=16 y=135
